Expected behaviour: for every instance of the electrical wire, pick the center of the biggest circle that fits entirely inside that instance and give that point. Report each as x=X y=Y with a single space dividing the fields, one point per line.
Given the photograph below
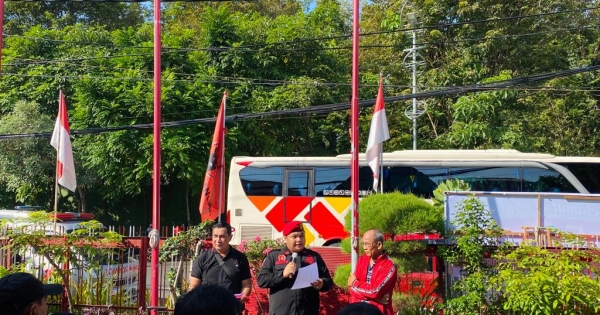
x=328 y=108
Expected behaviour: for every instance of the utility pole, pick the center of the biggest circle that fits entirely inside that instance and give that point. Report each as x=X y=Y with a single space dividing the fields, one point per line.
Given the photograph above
x=415 y=62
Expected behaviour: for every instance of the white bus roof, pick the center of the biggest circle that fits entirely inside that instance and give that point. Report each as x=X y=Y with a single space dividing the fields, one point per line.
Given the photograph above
x=432 y=156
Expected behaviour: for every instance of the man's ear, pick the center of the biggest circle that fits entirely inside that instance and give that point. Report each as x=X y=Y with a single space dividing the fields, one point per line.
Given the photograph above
x=31 y=309
x=230 y=236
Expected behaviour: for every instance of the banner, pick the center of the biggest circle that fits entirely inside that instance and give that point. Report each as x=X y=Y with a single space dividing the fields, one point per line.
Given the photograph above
x=212 y=198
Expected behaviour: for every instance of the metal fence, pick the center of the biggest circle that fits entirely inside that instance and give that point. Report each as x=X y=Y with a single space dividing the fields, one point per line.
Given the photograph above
x=115 y=283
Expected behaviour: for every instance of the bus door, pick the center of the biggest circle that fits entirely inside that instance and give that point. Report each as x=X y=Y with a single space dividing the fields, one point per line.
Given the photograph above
x=298 y=193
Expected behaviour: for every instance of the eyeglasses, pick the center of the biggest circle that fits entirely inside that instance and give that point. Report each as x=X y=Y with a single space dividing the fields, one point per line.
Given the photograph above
x=370 y=245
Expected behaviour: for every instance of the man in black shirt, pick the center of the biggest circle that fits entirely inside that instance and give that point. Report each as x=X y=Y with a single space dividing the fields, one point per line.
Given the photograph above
x=278 y=273
x=223 y=265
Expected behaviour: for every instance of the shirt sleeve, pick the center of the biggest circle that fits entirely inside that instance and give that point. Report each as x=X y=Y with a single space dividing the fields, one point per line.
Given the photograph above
x=267 y=277
x=380 y=284
x=324 y=274
x=197 y=266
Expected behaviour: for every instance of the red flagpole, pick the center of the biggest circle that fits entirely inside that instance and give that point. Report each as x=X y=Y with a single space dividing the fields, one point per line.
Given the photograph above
x=156 y=154
x=354 y=133
x=1 y=30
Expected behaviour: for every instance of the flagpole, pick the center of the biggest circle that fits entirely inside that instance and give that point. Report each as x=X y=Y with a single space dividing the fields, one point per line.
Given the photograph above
x=354 y=134
x=381 y=168
x=57 y=166
x=222 y=166
x=155 y=234
x=380 y=147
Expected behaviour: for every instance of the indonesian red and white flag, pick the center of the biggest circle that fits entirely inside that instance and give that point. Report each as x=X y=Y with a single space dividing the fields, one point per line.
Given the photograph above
x=379 y=133
x=65 y=171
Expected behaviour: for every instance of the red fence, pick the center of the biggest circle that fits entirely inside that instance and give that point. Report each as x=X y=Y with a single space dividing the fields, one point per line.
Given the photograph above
x=121 y=284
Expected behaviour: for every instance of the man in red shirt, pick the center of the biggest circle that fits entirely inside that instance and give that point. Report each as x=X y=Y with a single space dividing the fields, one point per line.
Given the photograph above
x=375 y=275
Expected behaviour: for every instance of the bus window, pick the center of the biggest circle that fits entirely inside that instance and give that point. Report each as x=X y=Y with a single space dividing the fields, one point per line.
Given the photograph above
x=587 y=173
x=489 y=178
x=328 y=178
x=420 y=181
x=541 y=180
x=298 y=183
x=262 y=181
x=337 y=179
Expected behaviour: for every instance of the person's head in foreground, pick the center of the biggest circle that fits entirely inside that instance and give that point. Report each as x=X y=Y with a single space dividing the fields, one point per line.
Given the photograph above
x=207 y=299
x=360 y=308
x=23 y=294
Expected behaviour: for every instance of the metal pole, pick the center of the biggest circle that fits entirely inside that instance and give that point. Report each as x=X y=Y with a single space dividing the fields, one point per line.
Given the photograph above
x=156 y=155
x=1 y=30
x=354 y=134
x=414 y=85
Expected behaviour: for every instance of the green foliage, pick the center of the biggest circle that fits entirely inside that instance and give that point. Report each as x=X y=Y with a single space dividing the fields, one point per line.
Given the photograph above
x=82 y=247
x=475 y=233
x=448 y=185
x=542 y=281
x=183 y=245
x=415 y=304
x=342 y=273
x=27 y=163
x=396 y=213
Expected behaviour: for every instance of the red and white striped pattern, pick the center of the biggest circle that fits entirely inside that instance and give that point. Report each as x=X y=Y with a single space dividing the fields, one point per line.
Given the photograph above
x=62 y=143
x=379 y=132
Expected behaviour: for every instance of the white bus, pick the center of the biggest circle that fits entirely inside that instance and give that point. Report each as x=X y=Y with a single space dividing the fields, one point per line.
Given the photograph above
x=266 y=192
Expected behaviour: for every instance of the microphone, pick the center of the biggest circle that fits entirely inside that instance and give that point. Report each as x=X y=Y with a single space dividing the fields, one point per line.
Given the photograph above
x=294 y=256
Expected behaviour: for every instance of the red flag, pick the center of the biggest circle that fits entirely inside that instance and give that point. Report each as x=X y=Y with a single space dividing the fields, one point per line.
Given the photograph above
x=212 y=198
x=62 y=143
x=379 y=133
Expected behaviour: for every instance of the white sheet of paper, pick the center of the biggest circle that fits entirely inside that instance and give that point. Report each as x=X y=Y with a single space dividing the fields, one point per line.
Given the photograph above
x=306 y=276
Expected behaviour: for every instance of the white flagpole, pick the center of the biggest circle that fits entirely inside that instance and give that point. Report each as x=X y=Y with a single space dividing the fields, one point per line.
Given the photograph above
x=381 y=149
x=381 y=168
x=56 y=194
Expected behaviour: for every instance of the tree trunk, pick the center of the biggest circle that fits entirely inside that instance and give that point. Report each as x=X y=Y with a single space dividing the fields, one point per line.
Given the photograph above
x=82 y=198
x=187 y=204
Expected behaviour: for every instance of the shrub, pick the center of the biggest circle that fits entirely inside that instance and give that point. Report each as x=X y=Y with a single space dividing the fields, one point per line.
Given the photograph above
x=397 y=213
x=340 y=278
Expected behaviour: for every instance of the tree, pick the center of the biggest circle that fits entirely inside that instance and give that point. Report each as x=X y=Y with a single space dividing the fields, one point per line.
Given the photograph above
x=20 y=16
x=26 y=166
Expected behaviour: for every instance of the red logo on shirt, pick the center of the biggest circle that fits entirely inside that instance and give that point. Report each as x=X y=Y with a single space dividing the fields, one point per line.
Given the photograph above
x=281 y=260
x=309 y=260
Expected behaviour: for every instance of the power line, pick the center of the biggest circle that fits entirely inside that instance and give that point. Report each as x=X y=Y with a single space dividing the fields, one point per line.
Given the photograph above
x=328 y=108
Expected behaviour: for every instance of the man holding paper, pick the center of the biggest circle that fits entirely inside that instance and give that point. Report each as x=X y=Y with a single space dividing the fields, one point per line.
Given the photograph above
x=281 y=270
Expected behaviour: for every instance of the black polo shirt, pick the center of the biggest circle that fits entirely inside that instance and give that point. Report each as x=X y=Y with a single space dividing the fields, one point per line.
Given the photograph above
x=206 y=268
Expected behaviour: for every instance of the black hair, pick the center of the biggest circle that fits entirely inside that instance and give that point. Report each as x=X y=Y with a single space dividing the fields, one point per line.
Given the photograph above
x=208 y=299
x=220 y=225
x=360 y=308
